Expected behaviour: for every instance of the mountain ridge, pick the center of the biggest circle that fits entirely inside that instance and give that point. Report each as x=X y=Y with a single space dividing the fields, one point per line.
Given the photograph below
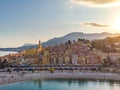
x=58 y=40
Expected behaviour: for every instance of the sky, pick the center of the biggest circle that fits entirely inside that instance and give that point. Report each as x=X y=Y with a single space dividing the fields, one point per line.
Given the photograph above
x=27 y=21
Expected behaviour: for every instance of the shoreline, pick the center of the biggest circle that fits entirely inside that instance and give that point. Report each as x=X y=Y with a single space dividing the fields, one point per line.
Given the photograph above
x=13 y=78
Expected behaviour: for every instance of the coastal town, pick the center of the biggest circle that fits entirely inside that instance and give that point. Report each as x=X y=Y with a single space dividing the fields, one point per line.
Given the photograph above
x=73 y=59
x=59 y=44
x=78 y=55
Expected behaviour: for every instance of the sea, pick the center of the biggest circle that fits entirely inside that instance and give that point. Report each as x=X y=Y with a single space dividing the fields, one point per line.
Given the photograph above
x=62 y=84
x=3 y=53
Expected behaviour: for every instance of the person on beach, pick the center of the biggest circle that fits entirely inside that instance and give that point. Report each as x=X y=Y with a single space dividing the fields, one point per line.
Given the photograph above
x=8 y=70
x=17 y=70
x=32 y=70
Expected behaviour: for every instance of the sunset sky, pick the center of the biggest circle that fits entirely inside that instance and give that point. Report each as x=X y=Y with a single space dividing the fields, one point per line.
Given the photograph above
x=27 y=21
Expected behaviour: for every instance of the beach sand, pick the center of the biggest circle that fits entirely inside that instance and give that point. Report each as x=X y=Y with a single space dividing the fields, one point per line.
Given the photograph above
x=6 y=78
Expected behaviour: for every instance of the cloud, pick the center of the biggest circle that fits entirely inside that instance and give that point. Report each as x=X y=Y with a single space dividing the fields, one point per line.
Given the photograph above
x=97 y=3
x=95 y=25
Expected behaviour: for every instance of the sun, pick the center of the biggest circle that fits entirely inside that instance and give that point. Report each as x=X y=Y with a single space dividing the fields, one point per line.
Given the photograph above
x=116 y=24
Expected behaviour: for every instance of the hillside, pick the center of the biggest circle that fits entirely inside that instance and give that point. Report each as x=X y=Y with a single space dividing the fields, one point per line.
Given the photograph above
x=76 y=35
x=63 y=39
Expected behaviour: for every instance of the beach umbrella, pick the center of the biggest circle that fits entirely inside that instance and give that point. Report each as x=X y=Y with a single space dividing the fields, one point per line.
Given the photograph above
x=81 y=69
x=39 y=69
x=76 y=69
x=15 y=69
x=71 y=68
x=86 y=68
x=44 y=69
x=61 y=68
x=23 y=69
x=65 y=68
x=35 y=68
x=29 y=69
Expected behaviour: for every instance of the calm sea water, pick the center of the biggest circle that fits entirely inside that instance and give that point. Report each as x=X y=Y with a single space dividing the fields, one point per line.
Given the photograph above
x=2 y=53
x=63 y=85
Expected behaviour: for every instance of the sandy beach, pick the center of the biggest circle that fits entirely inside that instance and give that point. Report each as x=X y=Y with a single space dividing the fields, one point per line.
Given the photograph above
x=6 y=78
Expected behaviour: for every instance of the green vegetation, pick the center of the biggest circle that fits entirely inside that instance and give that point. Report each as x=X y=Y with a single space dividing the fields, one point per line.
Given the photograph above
x=110 y=44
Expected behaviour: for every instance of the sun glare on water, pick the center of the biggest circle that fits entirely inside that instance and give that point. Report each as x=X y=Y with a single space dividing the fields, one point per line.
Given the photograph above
x=116 y=24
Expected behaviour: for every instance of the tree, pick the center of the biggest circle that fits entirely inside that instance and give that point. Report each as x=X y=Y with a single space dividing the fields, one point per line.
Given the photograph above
x=4 y=63
x=69 y=42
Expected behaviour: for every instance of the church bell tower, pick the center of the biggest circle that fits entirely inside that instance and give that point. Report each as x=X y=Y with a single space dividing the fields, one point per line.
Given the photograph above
x=40 y=47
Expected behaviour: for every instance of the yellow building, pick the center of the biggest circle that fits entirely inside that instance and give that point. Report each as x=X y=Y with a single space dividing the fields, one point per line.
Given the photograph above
x=40 y=48
x=45 y=57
